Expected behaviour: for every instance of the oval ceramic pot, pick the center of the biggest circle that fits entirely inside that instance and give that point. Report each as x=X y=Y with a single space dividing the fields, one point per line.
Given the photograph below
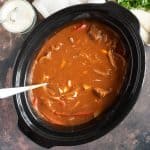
x=127 y=26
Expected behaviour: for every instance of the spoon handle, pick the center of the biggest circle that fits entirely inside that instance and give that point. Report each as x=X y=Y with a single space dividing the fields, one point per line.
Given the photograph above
x=6 y=92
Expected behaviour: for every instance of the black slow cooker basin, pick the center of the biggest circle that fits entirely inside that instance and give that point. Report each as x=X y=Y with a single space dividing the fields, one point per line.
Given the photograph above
x=127 y=26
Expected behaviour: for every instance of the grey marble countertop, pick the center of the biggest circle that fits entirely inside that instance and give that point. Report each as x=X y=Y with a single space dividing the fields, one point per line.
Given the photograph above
x=132 y=134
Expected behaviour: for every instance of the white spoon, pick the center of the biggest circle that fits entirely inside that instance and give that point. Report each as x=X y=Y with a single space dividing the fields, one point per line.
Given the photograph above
x=6 y=92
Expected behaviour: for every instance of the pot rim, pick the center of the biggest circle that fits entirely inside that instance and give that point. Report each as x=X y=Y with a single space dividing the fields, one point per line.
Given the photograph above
x=132 y=90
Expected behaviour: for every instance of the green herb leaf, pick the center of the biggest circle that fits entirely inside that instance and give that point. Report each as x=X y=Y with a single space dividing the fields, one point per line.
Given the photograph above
x=142 y=4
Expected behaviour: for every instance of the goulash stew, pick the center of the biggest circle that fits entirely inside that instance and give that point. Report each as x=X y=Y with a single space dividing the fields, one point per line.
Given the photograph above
x=84 y=65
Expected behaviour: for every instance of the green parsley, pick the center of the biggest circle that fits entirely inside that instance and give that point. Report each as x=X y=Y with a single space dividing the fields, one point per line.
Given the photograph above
x=142 y=4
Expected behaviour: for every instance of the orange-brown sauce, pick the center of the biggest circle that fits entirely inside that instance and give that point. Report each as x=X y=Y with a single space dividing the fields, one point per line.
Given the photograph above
x=84 y=67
